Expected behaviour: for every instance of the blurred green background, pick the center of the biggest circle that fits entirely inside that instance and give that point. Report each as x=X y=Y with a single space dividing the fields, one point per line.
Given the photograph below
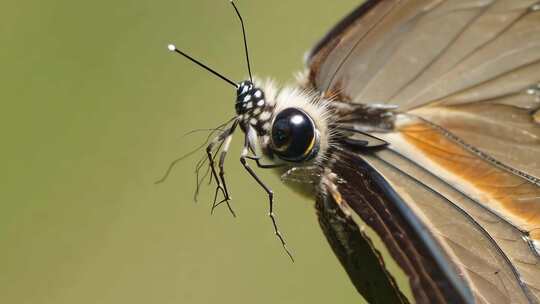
x=94 y=108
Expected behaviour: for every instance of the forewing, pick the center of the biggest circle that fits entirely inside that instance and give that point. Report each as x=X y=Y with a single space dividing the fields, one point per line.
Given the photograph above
x=413 y=52
x=456 y=58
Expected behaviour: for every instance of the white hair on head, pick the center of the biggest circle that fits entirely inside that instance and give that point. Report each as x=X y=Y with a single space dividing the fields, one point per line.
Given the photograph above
x=302 y=78
x=309 y=101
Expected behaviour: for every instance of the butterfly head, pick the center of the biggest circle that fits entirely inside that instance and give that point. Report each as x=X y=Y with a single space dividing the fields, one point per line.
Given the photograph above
x=287 y=124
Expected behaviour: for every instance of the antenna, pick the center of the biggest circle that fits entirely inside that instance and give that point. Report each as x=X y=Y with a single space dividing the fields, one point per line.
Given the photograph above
x=245 y=39
x=173 y=48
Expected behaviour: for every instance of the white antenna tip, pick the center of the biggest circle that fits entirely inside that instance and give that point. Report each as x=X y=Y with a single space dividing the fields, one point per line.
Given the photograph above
x=171 y=47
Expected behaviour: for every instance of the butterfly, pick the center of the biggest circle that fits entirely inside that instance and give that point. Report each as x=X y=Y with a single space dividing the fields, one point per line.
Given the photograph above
x=415 y=127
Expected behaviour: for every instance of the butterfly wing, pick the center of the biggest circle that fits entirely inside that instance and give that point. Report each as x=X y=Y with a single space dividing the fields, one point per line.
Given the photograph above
x=464 y=153
x=352 y=184
x=356 y=252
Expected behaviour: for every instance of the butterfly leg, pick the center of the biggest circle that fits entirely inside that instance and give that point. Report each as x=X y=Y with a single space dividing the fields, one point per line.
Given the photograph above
x=255 y=157
x=257 y=160
x=243 y=160
x=224 y=139
x=222 y=156
x=219 y=188
x=198 y=178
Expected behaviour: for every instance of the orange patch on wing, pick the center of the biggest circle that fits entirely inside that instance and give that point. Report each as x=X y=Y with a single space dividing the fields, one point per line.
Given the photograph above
x=506 y=193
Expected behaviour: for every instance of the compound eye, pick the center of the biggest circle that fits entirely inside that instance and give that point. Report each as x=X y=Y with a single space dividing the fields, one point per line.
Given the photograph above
x=293 y=135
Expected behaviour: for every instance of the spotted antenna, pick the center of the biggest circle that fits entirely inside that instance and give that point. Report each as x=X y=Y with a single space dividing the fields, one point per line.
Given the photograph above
x=245 y=39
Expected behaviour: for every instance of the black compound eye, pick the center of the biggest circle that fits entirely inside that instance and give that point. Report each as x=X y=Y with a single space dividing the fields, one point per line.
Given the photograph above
x=293 y=135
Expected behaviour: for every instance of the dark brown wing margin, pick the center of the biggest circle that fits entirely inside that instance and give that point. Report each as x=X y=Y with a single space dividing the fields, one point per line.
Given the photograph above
x=361 y=260
x=410 y=244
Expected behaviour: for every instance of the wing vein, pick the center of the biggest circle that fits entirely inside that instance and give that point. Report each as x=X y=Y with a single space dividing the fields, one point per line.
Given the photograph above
x=522 y=285
x=532 y=179
x=360 y=39
x=443 y=51
x=466 y=57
